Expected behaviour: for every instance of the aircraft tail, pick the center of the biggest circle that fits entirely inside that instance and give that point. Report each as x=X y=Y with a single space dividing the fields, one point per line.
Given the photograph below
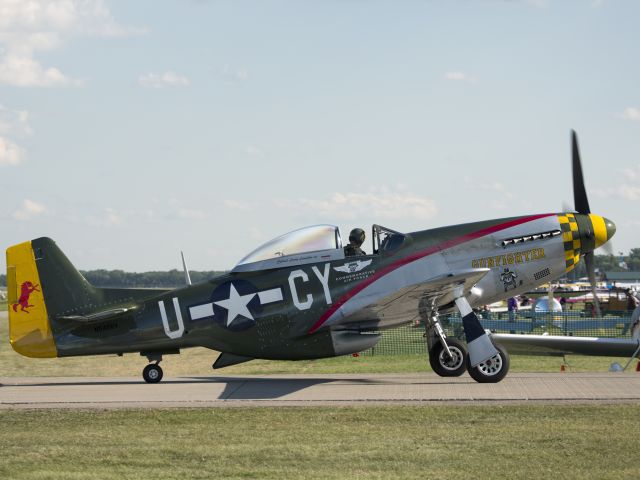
x=29 y=328
x=46 y=294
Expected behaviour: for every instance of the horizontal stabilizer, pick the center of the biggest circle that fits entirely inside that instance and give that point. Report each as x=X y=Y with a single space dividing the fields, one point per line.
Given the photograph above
x=228 y=359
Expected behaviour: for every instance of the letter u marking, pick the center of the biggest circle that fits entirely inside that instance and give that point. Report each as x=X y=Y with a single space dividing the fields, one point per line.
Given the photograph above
x=165 y=321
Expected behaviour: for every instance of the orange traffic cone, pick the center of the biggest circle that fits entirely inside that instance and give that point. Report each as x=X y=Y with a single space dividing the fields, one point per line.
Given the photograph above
x=638 y=367
x=563 y=367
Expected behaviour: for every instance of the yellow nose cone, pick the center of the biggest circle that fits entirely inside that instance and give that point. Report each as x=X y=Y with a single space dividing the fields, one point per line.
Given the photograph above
x=603 y=229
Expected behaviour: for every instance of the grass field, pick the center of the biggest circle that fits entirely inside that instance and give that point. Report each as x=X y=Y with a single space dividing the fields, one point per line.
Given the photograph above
x=197 y=361
x=507 y=442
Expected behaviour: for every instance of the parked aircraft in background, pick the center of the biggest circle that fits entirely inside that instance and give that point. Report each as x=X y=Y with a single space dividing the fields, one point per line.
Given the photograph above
x=299 y=297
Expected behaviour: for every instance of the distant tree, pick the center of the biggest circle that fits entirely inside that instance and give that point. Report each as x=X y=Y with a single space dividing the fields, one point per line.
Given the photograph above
x=633 y=260
x=121 y=279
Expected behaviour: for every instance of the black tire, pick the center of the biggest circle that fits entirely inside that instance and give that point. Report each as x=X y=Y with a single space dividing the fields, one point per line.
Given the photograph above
x=492 y=370
x=447 y=367
x=152 y=373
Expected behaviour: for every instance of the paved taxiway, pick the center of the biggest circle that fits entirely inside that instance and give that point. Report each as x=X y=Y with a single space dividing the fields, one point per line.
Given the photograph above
x=74 y=392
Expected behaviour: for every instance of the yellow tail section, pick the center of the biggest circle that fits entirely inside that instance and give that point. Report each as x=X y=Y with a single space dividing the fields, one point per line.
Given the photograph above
x=29 y=329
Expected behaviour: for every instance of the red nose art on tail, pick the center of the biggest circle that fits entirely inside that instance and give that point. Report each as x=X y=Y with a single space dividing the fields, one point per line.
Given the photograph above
x=26 y=289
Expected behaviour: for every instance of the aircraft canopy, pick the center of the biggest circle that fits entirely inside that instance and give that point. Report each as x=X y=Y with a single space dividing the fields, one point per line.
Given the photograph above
x=308 y=239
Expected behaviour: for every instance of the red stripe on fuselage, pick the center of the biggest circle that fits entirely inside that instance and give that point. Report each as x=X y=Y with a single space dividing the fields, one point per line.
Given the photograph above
x=416 y=256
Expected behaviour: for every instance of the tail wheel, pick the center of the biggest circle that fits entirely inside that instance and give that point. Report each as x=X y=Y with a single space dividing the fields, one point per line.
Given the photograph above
x=152 y=373
x=492 y=370
x=445 y=365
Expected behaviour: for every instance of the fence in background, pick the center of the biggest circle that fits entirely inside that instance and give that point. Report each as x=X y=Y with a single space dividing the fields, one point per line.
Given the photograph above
x=410 y=340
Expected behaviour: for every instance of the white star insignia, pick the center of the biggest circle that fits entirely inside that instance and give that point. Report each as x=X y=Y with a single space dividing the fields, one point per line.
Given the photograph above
x=236 y=305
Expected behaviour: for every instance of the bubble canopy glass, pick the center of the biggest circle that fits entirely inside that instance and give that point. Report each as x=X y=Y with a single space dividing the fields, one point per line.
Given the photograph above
x=308 y=239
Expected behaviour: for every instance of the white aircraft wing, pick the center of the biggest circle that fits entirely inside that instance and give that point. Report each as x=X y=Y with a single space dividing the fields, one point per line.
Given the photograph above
x=406 y=304
x=559 y=345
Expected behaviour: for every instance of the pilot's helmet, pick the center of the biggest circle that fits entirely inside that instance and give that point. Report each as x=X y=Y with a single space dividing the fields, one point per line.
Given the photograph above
x=357 y=236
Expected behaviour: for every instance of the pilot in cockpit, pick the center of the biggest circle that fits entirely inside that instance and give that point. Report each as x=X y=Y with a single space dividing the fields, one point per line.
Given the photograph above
x=356 y=239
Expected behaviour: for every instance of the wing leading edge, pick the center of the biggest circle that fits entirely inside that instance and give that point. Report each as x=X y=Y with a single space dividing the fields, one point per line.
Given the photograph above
x=409 y=303
x=560 y=345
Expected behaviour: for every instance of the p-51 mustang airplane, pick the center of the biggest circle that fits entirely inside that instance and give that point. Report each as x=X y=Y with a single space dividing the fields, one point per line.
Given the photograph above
x=298 y=296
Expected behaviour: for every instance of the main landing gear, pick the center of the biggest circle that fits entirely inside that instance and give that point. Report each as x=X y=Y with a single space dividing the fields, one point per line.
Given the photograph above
x=492 y=370
x=449 y=357
x=152 y=373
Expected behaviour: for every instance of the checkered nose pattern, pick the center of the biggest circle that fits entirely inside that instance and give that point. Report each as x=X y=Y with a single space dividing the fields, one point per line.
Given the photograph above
x=571 y=239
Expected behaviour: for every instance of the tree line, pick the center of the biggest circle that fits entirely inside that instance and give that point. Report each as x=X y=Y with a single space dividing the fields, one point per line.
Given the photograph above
x=611 y=263
x=121 y=279
x=175 y=278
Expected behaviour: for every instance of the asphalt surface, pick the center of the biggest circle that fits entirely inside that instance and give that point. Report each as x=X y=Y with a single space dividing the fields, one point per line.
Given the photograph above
x=312 y=390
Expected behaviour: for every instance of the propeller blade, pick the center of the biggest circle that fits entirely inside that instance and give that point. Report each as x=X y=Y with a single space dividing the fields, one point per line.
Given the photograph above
x=579 y=193
x=589 y=259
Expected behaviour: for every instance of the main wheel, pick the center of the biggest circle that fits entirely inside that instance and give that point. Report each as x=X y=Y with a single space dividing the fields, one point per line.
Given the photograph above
x=444 y=365
x=152 y=373
x=492 y=370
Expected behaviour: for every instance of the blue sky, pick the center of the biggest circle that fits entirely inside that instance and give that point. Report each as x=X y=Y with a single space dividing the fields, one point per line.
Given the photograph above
x=132 y=129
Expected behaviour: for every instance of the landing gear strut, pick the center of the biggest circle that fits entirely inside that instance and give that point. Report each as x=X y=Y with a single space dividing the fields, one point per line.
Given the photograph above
x=448 y=364
x=450 y=357
x=447 y=356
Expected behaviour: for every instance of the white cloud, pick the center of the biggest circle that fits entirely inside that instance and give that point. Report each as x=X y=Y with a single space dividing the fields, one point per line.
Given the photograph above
x=628 y=187
x=234 y=74
x=632 y=173
x=31 y=26
x=487 y=185
x=629 y=192
x=497 y=187
x=455 y=76
x=459 y=77
x=381 y=203
x=631 y=113
x=112 y=217
x=10 y=153
x=21 y=71
x=160 y=80
x=256 y=234
x=29 y=210
x=238 y=205
x=12 y=122
x=191 y=214
x=253 y=151
x=106 y=218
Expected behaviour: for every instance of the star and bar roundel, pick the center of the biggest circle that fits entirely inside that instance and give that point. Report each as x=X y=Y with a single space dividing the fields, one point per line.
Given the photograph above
x=235 y=305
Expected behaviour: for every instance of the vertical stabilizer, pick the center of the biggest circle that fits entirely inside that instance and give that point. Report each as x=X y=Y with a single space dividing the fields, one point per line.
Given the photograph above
x=29 y=329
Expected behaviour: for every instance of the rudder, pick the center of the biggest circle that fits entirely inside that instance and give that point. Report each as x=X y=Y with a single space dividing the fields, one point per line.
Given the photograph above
x=29 y=329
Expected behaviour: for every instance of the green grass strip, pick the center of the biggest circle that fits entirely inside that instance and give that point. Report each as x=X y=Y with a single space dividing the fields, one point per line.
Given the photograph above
x=498 y=442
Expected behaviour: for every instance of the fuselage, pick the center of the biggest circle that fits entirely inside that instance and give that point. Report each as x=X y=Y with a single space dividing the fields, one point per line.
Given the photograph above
x=328 y=305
